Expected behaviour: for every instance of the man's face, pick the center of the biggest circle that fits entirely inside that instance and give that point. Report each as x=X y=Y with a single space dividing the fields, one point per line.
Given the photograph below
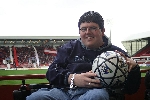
x=91 y=35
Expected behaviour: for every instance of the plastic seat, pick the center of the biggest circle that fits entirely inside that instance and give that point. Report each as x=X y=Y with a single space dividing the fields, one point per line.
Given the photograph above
x=147 y=85
x=22 y=92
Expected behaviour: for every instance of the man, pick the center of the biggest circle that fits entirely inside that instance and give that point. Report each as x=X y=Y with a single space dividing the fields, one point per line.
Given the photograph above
x=73 y=64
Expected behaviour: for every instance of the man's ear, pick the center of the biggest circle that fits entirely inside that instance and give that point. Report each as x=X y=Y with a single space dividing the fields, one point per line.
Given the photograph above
x=103 y=31
x=79 y=31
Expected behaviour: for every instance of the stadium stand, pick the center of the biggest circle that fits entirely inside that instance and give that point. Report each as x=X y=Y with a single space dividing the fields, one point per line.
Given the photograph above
x=28 y=51
x=145 y=51
x=26 y=56
x=138 y=47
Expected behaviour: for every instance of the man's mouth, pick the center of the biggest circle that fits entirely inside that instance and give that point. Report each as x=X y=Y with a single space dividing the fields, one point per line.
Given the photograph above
x=89 y=37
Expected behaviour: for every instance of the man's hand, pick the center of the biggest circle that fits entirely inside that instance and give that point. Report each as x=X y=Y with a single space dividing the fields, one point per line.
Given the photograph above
x=131 y=63
x=85 y=80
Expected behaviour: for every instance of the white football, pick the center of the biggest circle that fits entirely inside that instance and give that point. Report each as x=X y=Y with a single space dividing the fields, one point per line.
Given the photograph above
x=111 y=69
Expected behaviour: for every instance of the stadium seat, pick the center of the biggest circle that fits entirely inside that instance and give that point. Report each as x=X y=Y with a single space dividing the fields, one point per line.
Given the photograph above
x=147 y=85
x=22 y=92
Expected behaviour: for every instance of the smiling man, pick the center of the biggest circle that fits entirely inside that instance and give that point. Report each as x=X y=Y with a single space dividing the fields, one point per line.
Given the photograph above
x=71 y=74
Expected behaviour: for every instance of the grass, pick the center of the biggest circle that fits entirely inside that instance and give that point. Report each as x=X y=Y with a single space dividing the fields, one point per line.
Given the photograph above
x=30 y=81
x=143 y=74
x=21 y=72
x=18 y=82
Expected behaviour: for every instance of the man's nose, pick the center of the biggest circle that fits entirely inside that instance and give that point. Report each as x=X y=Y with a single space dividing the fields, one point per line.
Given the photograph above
x=88 y=30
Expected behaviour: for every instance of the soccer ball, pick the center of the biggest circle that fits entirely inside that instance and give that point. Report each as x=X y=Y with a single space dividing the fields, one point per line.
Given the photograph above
x=111 y=69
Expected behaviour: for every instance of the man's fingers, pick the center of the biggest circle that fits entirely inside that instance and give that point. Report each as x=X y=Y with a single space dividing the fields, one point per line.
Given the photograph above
x=129 y=66
x=121 y=54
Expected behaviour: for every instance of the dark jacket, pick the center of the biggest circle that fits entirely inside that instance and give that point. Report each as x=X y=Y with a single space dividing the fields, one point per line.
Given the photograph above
x=74 y=57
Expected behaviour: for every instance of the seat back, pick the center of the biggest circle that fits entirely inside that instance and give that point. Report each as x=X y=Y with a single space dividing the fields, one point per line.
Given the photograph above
x=22 y=92
x=147 y=85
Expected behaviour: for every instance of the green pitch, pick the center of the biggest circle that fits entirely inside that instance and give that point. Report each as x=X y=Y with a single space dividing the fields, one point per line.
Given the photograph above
x=21 y=72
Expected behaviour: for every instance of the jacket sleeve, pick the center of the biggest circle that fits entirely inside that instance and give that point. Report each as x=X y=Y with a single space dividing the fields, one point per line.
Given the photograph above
x=57 y=70
x=133 y=81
